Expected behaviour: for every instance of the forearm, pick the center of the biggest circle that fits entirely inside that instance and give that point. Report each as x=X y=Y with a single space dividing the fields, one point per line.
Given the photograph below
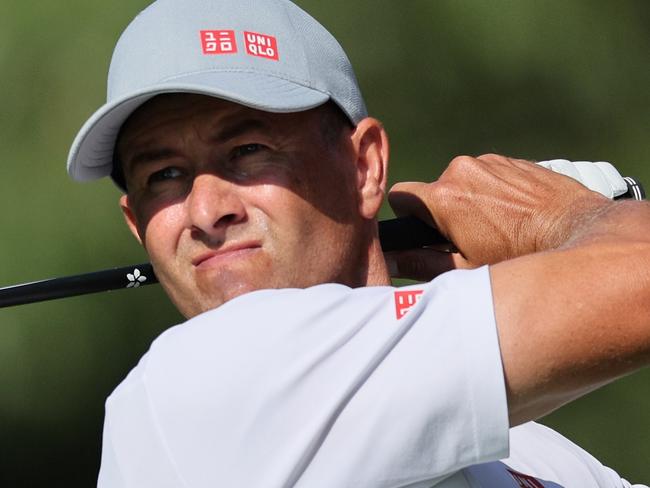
x=577 y=317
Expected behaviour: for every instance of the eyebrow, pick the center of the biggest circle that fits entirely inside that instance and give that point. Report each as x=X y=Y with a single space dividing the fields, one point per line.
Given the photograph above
x=229 y=132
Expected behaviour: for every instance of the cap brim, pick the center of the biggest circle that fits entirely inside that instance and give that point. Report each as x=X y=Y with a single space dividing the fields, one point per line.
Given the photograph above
x=91 y=154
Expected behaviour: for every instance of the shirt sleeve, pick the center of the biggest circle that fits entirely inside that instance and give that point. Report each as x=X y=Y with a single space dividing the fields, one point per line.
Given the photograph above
x=328 y=386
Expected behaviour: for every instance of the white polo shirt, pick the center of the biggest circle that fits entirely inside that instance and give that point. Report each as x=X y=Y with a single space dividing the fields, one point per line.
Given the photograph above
x=323 y=387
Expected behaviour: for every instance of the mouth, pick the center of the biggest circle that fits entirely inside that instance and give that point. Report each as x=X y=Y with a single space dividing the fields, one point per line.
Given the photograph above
x=227 y=254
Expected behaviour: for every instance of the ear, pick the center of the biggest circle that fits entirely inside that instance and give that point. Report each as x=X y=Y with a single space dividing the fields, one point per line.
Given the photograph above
x=129 y=217
x=371 y=144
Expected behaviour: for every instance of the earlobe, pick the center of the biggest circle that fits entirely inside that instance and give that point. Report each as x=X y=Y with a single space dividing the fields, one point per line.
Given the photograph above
x=371 y=143
x=129 y=217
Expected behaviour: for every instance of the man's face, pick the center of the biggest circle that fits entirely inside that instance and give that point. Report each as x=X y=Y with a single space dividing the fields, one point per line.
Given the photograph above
x=227 y=199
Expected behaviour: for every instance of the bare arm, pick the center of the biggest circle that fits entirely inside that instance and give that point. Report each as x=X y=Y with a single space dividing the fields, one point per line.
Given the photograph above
x=570 y=273
x=573 y=319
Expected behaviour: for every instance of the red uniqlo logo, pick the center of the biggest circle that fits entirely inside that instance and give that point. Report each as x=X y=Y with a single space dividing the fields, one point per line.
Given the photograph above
x=525 y=481
x=261 y=45
x=218 y=42
x=404 y=300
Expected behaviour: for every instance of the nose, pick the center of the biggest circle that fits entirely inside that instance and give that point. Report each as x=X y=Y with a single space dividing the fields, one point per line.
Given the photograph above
x=212 y=205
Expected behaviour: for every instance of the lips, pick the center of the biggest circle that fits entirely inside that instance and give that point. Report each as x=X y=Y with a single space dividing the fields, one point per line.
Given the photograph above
x=222 y=255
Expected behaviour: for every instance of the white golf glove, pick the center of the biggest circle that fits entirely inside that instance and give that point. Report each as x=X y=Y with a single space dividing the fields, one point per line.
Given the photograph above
x=598 y=176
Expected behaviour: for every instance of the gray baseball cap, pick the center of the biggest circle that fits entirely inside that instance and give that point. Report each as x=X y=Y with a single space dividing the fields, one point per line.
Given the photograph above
x=265 y=54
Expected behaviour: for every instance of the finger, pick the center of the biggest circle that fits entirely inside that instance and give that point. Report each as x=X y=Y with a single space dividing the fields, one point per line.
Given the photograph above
x=408 y=199
x=423 y=264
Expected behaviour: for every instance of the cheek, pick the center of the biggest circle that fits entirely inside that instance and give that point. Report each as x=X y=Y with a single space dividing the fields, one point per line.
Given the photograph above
x=302 y=234
x=330 y=185
x=161 y=230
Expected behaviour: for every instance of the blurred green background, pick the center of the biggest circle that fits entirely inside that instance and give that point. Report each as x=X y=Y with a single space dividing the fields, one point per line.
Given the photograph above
x=534 y=79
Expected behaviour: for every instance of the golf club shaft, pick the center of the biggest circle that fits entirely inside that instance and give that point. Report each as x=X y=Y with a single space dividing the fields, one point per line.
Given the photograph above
x=395 y=234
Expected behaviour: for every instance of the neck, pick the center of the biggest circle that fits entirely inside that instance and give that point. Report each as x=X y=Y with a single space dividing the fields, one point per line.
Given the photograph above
x=377 y=271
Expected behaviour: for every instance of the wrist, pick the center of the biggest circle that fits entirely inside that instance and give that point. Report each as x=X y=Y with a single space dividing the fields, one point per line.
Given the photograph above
x=564 y=227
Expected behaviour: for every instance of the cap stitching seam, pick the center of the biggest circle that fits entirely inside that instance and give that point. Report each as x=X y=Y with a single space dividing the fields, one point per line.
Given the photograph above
x=302 y=41
x=275 y=74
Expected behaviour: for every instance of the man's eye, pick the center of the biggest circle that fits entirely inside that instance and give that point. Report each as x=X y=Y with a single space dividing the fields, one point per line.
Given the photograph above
x=247 y=149
x=165 y=174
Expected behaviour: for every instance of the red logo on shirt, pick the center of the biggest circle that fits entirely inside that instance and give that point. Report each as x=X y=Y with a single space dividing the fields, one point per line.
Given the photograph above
x=261 y=45
x=218 y=42
x=404 y=300
x=525 y=481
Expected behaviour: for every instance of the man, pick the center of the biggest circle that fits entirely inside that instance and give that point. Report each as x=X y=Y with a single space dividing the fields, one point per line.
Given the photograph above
x=253 y=177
